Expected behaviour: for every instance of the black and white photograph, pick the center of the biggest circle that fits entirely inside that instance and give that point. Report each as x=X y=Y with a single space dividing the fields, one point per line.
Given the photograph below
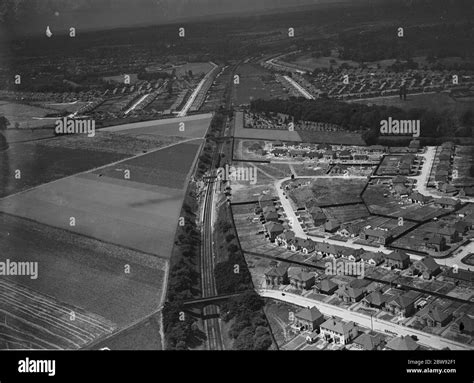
x=194 y=177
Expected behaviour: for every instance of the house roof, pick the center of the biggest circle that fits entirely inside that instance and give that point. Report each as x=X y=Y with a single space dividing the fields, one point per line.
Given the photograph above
x=428 y=263
x=402 y=343
x=377 y=298
x=369 y=341
x=376 y=232
x=398 y=255
x=311 y=315
x=434 y=239
x=402 y=301
x=351 y=292
x=277 y=271
x=416 y=196
x=338 y=326
x=327 y=285
x=438 y=315
x=368 y=255
x=299 y=274
x=287 y=235
x=274 y=227
x=447 y=201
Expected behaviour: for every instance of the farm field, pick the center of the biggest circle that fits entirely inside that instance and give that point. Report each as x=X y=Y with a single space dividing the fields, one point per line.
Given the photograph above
x=256 y=82
x=111 y=142
x=194 y=127
x=22 y=135
x=326 y=191
x=32 y=320
x=140 y=213
x=144 y=336
x=24 y=115
x=40 y=164
x=80 y=274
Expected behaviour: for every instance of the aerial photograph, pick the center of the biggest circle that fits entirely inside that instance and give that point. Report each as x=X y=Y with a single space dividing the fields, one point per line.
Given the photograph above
x=267 y=175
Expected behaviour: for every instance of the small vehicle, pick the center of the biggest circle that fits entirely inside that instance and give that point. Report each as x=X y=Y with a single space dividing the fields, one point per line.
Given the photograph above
x=414 y=337
x=283 y=294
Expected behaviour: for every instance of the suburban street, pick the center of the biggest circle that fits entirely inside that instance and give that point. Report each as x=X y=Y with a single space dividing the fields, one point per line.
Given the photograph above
x=364 y=320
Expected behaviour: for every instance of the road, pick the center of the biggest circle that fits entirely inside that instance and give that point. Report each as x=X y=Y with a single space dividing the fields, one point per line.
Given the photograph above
x=363 y=320
x=299 y=88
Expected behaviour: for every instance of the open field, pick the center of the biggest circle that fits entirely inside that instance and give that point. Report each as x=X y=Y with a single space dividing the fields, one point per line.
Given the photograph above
x=326 y=191
x=347 y=213
x=32 y=320
x=256 y=82
x=40 y=164
x=139 y=213
x=111 y=142
x=81 y=274
x=306 y=62
x=196 y=67
x=194 y=127
x=22 y=135
x=143 y=336
x=24 y=115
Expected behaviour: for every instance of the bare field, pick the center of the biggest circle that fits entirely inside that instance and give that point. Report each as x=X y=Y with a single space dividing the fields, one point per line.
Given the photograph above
x=75 y=274
x=25 y=115
x=194 y=127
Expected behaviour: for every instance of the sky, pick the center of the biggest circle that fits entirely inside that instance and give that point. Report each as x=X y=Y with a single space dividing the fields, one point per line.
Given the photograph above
x=29 y=15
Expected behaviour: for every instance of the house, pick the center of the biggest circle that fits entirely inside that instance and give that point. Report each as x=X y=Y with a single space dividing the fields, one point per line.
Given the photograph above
x=434 y=316
x=376 y=299
x=369 y=341
x=352 y=229
x=318 y=216
x=403 y=305
x=307 y=246
x=327 y=287
x=331 y=226
x=300 y=279
x=449 y=233
x=401 y=190
x=326 y=249
x=271 y=216
x=446 y=203
x=460 y=275
x=285 y=238
x=466 y=325
x=372 y=258
x=338 y=331
x=426 y=267
x=434 y=242
x=375 y=235
x=273 y=229
x=447 y=188
x=414 y=144
x=402 y=343
x=277 y=276
x=350 y=294
x=462 y=226
x=419 y=198
x=308 y=319
x=397 y=259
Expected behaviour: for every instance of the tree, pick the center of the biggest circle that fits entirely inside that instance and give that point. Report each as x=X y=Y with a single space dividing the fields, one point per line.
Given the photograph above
x=4 y=123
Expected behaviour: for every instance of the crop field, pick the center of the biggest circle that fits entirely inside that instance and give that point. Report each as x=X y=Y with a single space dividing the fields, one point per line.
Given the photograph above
x=40 y=164
x=25 y=115
x=256 y=82
x=111 y=143
x=326 y=191
x=32 y=320
x=75 y=274
x=194 y=127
